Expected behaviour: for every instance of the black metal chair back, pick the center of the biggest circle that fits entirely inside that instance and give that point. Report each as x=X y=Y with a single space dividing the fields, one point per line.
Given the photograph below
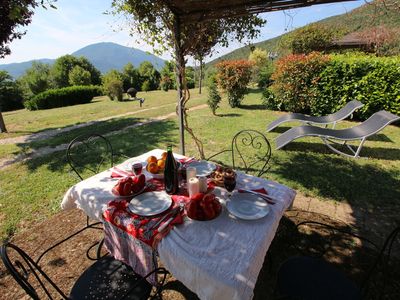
x=251 y=151
x=89 y=152
x=27 y=273
x=321 y=239
x=107 y=278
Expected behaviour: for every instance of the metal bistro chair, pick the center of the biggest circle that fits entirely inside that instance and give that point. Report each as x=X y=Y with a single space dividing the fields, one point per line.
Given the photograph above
x=87 y=152
x=107 y=278
x=250 y=151
x=310 y=277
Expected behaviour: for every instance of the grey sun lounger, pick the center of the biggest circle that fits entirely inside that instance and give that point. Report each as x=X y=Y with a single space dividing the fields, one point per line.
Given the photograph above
x=371 y=126
x=341 y=114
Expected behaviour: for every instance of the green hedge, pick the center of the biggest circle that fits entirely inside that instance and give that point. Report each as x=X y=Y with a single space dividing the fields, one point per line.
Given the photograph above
x=63 y=97
x=375 y=81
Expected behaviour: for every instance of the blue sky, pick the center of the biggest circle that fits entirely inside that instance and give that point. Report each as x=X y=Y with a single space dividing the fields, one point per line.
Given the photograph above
x=76 y=23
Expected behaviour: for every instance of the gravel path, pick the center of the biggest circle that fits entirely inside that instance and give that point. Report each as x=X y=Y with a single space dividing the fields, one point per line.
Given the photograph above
x=52 y=132
x=47 y=150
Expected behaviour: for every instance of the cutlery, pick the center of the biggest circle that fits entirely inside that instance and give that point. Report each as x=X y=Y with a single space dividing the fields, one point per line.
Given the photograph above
x=165 y=225
x=266 y=197
x=169 y=214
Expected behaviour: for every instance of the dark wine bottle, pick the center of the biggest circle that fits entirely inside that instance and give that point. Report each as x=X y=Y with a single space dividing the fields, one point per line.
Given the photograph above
x=171 y=173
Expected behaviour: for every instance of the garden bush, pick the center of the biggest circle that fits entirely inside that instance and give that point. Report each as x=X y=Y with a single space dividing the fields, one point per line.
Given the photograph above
x=233 y=77
x=63 y=97
x=321 y=84
x=294 y=77
x=375 y=81
x=213 y=98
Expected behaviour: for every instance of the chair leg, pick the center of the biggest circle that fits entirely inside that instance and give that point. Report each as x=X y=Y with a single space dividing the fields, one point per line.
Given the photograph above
x=92 y=226
x=355 y=153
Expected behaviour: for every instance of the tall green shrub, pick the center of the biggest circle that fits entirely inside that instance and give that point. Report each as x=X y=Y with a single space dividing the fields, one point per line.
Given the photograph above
x=294 y=78
x=233 y=77
x=213 y=96
x=113 y=85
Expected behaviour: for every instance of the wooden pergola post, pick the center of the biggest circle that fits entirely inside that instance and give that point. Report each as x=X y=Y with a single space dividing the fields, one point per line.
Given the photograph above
x=180 y=73
x=2 y=125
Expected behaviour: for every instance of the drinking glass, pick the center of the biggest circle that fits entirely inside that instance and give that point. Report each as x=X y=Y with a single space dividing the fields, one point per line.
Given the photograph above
x=137 y=168
x=230 y=184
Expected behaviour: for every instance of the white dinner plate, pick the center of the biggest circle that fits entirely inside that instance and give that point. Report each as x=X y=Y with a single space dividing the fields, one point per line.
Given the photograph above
x=203 y=168
x=150 y=204
x=247 y=206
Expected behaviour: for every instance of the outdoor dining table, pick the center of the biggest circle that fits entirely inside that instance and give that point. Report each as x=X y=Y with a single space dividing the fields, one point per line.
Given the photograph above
x=216 y=259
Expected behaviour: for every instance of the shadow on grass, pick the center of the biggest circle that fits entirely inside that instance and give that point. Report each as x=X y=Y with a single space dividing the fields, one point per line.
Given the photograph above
x=252 y=107
x=366 y=152
x=131 y=142
x=100 y=127
x=229 y=115
x=342 y=179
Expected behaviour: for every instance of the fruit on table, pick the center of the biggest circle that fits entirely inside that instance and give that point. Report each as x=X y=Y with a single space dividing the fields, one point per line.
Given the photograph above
x=161 y=164
x=138 y=183
x=156 y=166
x=151 y=159
x=203 y=207
x=164 y=156
x=128 y=186
x=152 y=167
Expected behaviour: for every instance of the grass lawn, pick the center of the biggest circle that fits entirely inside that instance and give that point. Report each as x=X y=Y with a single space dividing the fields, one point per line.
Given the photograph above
x=33 y=190
x=21 y=122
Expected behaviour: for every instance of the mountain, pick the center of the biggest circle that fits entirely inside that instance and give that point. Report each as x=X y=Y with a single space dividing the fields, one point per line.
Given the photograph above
x=104 y=56
x=17 y=69
x=366 y=16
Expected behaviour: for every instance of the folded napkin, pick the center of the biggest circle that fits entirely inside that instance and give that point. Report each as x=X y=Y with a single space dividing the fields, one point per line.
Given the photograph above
x=118 y=214
x=118 y=173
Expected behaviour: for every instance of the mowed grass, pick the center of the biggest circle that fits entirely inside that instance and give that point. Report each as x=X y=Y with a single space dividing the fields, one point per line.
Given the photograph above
x=23 y=121
x=33 y=190
x=158 y=103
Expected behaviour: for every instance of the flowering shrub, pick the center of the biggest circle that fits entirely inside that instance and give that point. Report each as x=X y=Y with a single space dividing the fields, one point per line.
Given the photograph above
x=320 y=84
x=294 y=77
x=233 y=77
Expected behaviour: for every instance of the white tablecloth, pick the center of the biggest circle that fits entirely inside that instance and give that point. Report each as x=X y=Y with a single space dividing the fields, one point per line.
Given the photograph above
x=218 y=259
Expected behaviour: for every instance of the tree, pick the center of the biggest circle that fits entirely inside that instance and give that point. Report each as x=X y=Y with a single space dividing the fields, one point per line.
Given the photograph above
x=381 y=39
x=162 y=29
x=233 y=77
x=14 y=14
x=64 y=64
x=213 y=96
x=167 y=75
x=131 y=77
x=10 y=96
x=113 y=85
x=79 y=76
x=36 y=79
x=259 y=58
x=313 y=37
x=148 y=73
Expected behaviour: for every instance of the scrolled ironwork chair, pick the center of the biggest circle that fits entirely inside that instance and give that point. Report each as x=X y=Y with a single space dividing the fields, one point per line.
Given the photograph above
x=89 y=152
x=250 y=151
x=107 y=278
x=310 y=277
